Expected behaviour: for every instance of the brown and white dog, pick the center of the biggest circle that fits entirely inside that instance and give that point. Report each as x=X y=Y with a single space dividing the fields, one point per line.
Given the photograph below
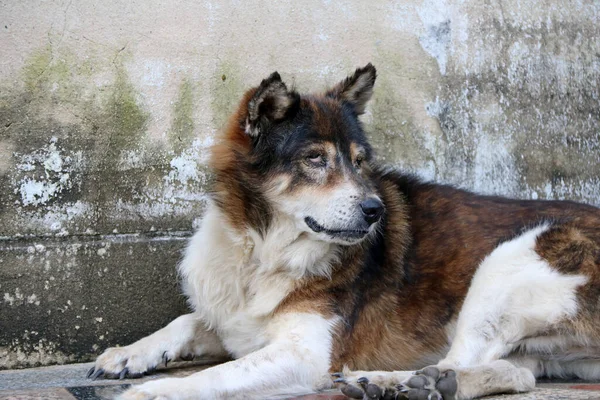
x=311 y=259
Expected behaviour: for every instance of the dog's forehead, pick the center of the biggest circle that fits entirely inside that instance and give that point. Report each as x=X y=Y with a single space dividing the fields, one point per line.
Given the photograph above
x=331 y=120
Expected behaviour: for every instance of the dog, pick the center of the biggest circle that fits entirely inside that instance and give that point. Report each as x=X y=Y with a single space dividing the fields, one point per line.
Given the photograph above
x=315 y=268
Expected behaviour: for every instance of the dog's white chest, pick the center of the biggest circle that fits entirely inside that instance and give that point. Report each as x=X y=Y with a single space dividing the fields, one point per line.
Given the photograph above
x=231 y=288
x=242 y=322
x=235 y=282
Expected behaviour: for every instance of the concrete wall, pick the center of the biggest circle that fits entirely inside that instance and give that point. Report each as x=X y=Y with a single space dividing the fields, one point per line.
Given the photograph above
x=107 y=110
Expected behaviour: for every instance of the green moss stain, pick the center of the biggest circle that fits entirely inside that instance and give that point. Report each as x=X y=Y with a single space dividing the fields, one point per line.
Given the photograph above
x=181 y=133
x=87 y=100
x=127 y=120
x=36 y=66
x=58 y=80
x=56 y=73
x=226 y=93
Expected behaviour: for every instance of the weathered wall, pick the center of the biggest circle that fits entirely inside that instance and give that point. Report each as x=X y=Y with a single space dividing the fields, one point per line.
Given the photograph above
x=107 y=110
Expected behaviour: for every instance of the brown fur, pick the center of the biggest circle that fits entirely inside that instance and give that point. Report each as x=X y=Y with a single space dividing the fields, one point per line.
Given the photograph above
x=234 y=189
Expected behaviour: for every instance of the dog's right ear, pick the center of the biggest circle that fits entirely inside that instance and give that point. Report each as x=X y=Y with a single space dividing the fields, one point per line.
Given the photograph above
x=270 y=102
x=356 y=89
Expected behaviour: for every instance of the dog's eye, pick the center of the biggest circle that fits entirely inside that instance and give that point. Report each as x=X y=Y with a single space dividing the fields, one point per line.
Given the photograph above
x=315 y=158
x=358 y=161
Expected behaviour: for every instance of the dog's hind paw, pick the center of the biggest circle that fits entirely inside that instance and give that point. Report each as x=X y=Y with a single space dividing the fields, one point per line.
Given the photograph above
x=427 y=384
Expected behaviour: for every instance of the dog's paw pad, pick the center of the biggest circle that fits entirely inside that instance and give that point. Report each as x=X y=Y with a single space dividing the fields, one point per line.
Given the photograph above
x=363 y=388
x=430 y=383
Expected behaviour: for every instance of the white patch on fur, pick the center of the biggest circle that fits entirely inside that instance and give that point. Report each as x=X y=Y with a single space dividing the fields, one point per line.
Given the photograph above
x=183 y=336
x=235 y=281
x=250 y=129
x=295 y=361
x=496 y=377
x=514 y=294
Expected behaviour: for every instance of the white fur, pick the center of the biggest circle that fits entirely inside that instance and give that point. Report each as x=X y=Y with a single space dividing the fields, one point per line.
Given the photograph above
x=514 y=294
x=235 y=282
x=295 y=361
x=499 y=376
x=183 y=336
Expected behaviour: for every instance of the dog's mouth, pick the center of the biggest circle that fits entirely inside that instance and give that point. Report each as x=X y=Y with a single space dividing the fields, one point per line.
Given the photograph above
x=337 y=233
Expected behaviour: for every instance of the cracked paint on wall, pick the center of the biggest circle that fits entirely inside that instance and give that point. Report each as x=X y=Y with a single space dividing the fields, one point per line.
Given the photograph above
x=48 y=174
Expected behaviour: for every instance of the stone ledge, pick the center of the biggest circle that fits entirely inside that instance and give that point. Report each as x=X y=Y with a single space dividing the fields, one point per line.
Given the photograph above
x=67 y=299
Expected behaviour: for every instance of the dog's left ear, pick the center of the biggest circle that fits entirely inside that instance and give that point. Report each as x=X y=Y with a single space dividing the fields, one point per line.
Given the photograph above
x=270 y=102
x=356 y=89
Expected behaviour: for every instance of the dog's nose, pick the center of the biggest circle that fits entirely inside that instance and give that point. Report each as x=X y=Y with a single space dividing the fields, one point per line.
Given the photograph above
x=372 y=210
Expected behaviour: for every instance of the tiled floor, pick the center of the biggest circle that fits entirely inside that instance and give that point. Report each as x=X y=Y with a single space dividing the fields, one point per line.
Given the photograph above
x=68 y=382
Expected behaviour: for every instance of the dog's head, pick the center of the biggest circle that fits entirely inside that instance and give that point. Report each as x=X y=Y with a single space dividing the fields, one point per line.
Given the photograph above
x=302 y=156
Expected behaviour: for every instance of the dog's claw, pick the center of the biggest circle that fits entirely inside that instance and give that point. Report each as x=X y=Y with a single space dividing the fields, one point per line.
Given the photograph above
x=123 y=373
x=166 y=359
x=402 y=389
x=339 y=380
x=436 y=394
x=337 y=374
x=97 y=374
x=90 y=372
x=362 y=380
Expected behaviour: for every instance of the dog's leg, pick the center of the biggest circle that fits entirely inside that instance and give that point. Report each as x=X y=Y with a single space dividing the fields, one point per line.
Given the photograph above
x=514 y=294
x=437 y=383
x=184 y=338
x=296 y=361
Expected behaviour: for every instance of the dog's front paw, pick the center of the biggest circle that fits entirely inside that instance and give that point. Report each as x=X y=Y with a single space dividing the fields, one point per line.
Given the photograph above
x=127 y=362
x=370 y=384
x=431 y=383
x=427 y=384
